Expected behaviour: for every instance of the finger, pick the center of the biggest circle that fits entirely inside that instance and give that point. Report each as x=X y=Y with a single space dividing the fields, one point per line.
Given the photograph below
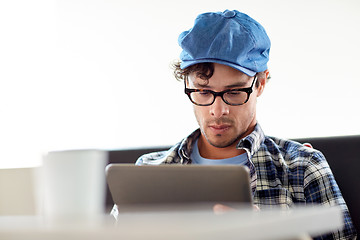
x=221 y=209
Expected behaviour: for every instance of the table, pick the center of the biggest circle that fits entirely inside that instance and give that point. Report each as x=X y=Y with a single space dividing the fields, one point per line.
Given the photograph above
x=240 y=224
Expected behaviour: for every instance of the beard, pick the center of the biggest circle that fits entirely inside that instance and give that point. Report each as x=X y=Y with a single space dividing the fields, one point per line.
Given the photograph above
x=221 y=143
x=220 y=140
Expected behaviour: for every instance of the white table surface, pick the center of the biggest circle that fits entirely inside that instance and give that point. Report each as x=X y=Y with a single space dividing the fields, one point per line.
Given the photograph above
x=240 y=224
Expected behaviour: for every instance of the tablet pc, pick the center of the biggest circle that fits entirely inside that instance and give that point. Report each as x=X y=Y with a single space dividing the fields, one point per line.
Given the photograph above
x=178 y=184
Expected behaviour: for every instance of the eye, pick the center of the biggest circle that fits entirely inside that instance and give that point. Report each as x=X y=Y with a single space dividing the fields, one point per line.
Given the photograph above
x=234 y=93
x=204 y=93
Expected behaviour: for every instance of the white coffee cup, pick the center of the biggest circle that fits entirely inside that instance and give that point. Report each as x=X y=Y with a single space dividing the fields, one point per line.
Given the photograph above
x=74 y=184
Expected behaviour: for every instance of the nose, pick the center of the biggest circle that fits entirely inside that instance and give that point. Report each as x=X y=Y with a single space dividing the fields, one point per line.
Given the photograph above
x=219 y=108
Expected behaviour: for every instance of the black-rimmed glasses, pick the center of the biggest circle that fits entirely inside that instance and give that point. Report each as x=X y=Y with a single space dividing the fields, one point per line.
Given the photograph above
x=233 y=97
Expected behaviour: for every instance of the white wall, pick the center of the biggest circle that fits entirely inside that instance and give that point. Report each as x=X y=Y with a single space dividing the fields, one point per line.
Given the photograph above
x=67 y=68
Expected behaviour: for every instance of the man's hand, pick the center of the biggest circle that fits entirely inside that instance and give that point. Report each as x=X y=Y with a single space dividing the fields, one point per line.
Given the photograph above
x=221 y=209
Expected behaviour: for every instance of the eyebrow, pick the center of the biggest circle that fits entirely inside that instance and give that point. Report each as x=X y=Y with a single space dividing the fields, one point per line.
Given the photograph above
x=235 y=85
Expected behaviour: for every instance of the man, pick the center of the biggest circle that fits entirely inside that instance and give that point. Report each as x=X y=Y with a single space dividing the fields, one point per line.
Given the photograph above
x=224 y=69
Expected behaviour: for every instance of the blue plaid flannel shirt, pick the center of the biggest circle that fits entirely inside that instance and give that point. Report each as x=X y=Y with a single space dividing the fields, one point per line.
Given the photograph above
x=283 y=173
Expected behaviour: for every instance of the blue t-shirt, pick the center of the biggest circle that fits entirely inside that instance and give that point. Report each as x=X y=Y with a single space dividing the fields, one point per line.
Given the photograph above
x=198 y=159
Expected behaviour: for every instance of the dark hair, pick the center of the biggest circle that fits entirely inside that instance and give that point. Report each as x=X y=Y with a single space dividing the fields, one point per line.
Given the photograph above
x=202 y=70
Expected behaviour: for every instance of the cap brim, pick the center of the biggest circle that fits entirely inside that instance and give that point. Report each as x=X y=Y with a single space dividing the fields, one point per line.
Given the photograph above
x=185 y=64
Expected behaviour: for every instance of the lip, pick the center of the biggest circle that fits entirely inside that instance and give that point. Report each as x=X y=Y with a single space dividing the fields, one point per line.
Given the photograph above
x=219 y=129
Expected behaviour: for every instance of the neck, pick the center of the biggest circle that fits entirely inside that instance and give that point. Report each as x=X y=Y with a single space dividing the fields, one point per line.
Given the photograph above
x=209 y=151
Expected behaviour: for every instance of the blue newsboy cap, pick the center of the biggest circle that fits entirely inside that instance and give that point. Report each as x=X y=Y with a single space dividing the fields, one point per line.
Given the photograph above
x=230 y=37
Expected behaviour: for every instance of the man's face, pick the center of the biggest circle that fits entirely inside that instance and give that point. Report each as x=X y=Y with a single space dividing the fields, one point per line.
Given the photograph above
x=222 y=125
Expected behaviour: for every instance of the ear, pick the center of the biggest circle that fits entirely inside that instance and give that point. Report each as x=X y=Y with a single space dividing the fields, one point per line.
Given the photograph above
x=262 y=82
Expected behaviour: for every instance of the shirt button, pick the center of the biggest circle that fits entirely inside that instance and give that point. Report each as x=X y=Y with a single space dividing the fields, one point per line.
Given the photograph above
x=229 y=14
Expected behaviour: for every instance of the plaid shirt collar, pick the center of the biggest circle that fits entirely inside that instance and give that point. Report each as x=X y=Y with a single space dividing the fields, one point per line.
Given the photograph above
x=252 y=142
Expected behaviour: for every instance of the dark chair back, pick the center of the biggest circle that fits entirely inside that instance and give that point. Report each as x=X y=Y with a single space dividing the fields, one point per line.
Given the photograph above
x=344 y=160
